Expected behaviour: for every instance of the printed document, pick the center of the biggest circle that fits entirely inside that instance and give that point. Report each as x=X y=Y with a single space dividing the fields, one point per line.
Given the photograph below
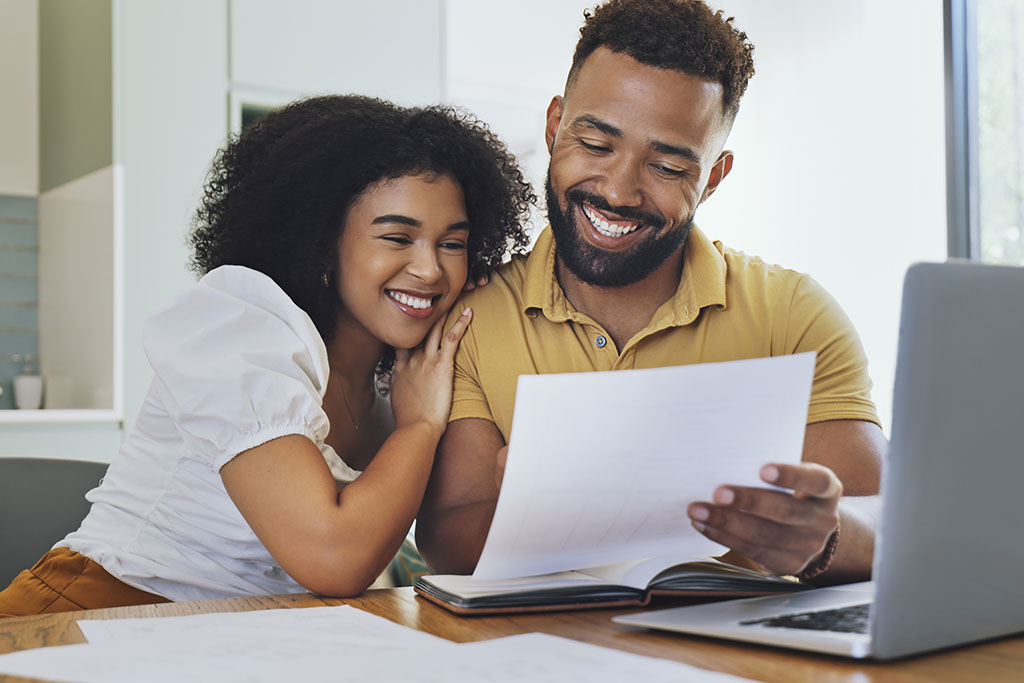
x=602 y=465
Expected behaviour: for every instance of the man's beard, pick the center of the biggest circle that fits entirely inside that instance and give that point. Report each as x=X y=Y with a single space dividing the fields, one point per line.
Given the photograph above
x=601 y=268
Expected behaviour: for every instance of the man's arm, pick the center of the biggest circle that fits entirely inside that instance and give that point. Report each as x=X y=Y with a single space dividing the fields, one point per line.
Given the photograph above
x=836 y=486
x=459 y=502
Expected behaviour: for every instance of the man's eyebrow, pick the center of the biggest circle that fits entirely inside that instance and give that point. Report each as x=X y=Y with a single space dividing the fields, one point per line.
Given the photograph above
x=675 y=150
x=594 y=122
x=615 y=132
x=396 y=218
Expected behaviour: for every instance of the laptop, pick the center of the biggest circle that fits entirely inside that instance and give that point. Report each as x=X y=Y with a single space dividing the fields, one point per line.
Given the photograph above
x=949 y=558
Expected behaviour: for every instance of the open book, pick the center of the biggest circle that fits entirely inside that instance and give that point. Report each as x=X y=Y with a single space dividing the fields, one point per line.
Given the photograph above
x=623 y=584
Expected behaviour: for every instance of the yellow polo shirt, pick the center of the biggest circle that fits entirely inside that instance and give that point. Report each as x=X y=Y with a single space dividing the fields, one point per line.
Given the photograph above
x=728 y=306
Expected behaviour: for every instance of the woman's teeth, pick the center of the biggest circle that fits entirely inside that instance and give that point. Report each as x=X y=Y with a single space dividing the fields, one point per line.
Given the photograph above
x=608 y=229
x=409 y=300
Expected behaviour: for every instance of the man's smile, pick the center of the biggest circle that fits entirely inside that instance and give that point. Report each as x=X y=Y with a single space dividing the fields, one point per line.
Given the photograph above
x=606 y=227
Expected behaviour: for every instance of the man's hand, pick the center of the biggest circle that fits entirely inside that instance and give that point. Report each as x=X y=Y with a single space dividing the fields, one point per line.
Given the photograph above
x=783 y=531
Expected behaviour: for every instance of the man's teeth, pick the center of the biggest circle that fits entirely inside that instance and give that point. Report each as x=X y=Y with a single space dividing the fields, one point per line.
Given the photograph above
x=608 y=229
x=409 y=300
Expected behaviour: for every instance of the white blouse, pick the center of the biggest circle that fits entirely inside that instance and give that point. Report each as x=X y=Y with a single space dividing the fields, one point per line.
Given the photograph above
x=236 y=364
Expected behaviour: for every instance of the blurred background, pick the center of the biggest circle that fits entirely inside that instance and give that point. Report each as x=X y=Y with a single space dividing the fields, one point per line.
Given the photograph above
x=862 y=145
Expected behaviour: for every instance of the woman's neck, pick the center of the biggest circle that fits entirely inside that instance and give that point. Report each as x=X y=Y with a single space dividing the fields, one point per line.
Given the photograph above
x=354 y=353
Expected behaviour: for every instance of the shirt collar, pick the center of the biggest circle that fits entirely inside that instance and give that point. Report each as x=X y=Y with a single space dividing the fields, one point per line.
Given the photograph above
x=702 y=283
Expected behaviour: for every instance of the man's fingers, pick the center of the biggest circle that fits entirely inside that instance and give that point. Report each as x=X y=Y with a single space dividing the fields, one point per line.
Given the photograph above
x=777 y=506
x=808 y=478
x=772 y=559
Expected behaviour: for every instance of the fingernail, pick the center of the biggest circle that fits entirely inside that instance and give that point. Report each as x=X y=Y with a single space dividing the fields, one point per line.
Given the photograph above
x=724 y=496
x=467 y=310
x=700 y=513
x=769 y=472
x=698 y=526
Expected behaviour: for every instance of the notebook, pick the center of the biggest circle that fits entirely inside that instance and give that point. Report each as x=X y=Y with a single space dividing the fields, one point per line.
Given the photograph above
x=949 y=558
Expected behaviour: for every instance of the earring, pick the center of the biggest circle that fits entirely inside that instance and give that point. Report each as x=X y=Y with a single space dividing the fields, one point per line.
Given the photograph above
x=325 y=280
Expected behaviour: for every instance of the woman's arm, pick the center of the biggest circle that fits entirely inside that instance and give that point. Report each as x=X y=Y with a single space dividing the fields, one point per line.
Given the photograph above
x=337 y=543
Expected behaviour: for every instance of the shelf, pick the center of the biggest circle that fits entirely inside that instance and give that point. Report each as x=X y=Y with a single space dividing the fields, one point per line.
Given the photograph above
x=50 y=417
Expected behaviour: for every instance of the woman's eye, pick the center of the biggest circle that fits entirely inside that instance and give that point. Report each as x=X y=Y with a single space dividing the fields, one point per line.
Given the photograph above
x=397 y=239
x=454 y=246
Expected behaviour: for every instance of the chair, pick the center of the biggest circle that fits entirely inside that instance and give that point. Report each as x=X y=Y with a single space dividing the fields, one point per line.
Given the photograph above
x=41 y=501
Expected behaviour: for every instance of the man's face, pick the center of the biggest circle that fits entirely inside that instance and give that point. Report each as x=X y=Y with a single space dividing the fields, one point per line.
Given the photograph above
x=634 y=150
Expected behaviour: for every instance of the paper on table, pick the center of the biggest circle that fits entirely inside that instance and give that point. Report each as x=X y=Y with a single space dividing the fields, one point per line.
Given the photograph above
x=312 y=644
x=352 y=645
x=541 y=658
x=602 y=465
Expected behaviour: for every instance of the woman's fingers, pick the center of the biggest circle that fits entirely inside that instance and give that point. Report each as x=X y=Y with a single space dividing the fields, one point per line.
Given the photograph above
x=451 y=340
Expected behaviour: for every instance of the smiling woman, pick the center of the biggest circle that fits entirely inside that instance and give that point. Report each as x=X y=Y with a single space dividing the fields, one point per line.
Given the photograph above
x=333 y=237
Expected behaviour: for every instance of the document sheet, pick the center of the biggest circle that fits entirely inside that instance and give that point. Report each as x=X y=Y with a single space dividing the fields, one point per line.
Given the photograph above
x=602 y=465
x=324 y=644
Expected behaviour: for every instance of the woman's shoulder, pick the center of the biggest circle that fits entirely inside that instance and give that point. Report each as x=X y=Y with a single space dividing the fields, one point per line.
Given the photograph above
x=233 y=312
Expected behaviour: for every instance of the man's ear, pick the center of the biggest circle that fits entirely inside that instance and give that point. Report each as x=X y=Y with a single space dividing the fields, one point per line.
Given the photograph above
x=554 y=117
x=718 y=173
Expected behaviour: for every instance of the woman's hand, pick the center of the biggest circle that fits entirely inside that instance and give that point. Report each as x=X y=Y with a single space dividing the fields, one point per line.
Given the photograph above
x=421 y=386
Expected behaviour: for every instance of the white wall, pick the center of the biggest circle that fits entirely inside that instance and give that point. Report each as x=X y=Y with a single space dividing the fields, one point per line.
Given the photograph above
x=170 y=116
x=77 y=270
x=19 y=89
x=839 y=142
x=385 y=48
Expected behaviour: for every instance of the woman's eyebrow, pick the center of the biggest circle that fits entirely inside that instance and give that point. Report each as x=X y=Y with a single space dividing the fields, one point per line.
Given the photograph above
x=413 y=223
x=396 y=218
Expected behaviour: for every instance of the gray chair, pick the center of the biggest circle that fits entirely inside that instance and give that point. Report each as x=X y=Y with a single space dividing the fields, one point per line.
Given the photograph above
x=41 y=501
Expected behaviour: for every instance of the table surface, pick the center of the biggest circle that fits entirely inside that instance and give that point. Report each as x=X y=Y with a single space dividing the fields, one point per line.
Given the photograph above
x=1001 y=660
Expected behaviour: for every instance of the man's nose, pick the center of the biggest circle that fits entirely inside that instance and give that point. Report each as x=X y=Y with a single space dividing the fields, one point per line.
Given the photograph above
x=620 y=182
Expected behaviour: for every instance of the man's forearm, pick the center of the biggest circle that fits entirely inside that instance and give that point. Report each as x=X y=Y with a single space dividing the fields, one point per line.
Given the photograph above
x=858 y=522
x=451 y=540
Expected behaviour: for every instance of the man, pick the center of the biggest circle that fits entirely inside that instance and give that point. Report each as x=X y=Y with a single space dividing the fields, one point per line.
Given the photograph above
x=622 y=279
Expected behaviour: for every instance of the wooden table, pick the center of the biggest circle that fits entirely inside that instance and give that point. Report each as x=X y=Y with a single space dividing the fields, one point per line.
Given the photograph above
x=1001 y=660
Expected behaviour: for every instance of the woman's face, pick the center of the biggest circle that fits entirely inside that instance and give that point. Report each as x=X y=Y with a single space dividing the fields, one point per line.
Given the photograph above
x=402 y=256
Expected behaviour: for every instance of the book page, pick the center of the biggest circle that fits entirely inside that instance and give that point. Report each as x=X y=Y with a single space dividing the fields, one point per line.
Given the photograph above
x=602 y=465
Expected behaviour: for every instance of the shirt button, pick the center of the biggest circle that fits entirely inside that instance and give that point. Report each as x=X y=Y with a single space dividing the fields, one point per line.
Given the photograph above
x=601 y=341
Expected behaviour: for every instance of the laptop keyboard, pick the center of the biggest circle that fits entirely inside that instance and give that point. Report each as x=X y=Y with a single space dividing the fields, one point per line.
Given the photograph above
x=852 y=619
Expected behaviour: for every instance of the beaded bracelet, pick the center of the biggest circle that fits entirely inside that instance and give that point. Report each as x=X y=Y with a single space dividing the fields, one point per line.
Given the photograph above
x=821 y=564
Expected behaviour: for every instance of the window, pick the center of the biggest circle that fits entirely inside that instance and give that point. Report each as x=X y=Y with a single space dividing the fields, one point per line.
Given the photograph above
x=985 y=118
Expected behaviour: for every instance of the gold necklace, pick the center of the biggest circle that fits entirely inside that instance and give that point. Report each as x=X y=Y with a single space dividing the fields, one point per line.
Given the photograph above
x=344 y=397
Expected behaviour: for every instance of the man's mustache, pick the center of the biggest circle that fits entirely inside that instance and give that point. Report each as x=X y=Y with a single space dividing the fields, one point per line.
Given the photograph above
x=598 y=202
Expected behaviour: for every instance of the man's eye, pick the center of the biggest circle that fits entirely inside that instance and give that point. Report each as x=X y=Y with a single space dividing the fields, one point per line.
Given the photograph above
x=670 y=170
x=594 y=148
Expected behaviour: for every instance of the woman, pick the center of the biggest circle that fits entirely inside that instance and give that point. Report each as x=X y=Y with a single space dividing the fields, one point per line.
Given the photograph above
x=333 y=237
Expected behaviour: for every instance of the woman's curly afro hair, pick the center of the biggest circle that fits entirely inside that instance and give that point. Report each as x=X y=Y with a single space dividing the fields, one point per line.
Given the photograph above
x=277 y=195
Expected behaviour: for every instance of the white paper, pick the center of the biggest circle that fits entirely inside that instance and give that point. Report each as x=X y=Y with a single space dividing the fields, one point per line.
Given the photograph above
x=324 y=644
x=602 y=465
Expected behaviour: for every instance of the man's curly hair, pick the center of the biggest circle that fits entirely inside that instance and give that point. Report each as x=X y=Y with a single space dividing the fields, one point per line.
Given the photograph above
x=276 y=196
x=685 y=35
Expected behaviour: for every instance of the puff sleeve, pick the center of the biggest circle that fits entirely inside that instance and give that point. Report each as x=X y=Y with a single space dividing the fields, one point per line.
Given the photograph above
x=237 y=364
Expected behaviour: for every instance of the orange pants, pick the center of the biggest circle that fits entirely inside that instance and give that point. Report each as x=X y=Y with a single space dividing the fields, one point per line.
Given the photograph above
x=64 y=581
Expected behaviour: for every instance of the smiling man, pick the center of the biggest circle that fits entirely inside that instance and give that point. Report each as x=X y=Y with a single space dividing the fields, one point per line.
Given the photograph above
x=623 y=279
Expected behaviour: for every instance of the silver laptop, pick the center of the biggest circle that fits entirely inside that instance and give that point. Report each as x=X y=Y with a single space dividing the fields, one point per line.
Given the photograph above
x=949 y=560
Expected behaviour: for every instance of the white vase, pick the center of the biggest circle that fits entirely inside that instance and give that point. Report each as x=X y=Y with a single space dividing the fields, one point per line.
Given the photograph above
x=28 y=392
